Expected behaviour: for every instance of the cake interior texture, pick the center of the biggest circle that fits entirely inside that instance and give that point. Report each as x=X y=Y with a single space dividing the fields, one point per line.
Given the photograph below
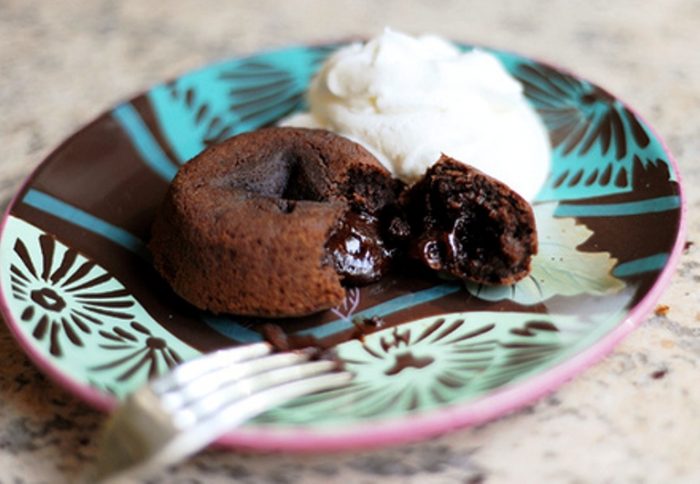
x=467 y=225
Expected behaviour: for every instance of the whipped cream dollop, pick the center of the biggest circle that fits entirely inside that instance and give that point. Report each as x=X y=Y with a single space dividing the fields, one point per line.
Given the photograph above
x=409 y=99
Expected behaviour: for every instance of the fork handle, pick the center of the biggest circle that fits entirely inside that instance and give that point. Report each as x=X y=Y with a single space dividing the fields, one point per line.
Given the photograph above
x=136 y=445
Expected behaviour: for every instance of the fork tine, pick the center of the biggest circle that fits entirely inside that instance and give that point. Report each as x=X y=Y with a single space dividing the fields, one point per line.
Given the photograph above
x=242 y=410
x=176 y=397
x=260 y=402
x=226 y=395
x=192 y=370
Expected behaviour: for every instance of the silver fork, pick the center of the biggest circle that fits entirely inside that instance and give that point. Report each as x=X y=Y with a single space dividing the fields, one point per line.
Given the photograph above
x=182 y=412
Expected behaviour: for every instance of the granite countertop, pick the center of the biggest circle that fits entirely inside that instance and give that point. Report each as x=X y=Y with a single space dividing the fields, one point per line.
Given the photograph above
x=633 y=417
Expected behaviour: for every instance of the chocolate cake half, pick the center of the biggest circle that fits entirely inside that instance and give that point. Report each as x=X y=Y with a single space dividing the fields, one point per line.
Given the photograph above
x=466 y=224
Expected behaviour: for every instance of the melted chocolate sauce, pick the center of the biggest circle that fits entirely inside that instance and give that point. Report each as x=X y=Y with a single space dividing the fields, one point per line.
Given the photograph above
x=282 y=341
x=444 y=247
x=357 y=249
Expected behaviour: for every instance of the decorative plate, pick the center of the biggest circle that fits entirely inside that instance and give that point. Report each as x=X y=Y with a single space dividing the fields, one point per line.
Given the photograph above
x=82 y=299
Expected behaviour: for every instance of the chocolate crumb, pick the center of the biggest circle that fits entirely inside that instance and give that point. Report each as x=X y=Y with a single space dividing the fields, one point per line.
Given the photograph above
x=282 y=341
x=399 y=229
x=276 y=336
x=365 y=326
x=662 y=310
x=659 y=374
x=687 y=246
x=315 y=350
x=374 y=321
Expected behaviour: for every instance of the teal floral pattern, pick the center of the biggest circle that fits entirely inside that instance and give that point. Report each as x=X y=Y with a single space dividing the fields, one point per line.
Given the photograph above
x=64 y=298
x=209 y=105
x=595 y=137
x=80 y=316
x=432 y=362
x=139 y=348
x=580 y=115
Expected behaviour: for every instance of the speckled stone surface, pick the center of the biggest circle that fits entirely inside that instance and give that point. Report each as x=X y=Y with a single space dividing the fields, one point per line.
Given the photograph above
x=633 y=417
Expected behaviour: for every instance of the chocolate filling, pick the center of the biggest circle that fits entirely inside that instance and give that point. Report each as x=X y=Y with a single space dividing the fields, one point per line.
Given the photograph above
x=357 y=249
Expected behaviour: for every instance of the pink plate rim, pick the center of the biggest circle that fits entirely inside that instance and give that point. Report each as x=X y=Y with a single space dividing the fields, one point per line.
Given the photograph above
x=398 y=430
